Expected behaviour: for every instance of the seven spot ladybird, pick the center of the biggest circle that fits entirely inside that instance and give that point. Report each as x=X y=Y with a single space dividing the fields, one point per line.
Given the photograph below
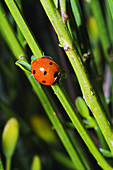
x=46 y=71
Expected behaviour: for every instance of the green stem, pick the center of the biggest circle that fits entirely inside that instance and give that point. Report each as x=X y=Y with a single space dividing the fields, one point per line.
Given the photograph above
x=63 y=5
x=64 y=160
x=87 y=89
x=1 y=165
x=112 y=94
x=19 y=33
x=24 y=28
x=43 y=98
x=18 y=50
x=109 y=21
x=63 y=9
x=76 y=140
x=102 y=29
x=59 y=91
x=111 y=6
x=77 y=12
x=69 y=108
x=100 y=137
x=57 y=125
x=8 y=163
x=56 y=3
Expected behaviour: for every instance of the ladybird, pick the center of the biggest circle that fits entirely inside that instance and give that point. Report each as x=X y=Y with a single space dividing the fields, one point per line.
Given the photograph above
x=46 y=71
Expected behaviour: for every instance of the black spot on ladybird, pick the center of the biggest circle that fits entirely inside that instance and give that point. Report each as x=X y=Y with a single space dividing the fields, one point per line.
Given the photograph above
x=55 y=74
x=45 y=72
x=43 y=81
x=34 y=71
x=50 y=63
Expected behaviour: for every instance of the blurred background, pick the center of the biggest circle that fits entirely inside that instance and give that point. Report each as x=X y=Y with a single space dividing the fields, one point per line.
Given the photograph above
x=17 y=97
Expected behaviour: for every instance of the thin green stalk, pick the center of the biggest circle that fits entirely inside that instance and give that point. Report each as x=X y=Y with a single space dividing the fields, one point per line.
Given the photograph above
x=63 y=9
x=76 y=12
x=64 y=160
x=1 y=166
x=109 y=21
x=63 y=5
x=8 y=164
x=112 y=94
x=66 y=104
x=100 y=137
x=87 y=89
x=57 y=125
x=102 y=30
x=24 y=29
x=86 y=43
x=111 y=6
x=56 y=3
x=57 y=155
x=19 y=33
x=59 y=91
x=45 y=102
x=76 y=140
x=79 y=19
x=18 y=50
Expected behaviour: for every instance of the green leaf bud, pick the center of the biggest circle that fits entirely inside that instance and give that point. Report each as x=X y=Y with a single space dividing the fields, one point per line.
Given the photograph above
x=36 y=164
x=9 y=137
x=82 y=107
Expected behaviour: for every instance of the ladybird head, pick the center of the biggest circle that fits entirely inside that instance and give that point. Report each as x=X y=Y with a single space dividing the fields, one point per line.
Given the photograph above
x=57 y=77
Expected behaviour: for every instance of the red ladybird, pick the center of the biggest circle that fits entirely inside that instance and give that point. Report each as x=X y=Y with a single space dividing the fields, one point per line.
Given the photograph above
x=45 y=71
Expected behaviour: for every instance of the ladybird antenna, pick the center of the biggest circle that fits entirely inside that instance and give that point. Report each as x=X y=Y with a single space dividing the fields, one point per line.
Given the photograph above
x=43 y=53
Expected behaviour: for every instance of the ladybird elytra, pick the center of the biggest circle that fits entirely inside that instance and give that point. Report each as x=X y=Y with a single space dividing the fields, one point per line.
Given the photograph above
x=46 y=71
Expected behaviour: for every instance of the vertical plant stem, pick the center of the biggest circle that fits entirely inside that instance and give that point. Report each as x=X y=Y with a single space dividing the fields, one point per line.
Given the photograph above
x=100 y=137
x=87 y=89
x=56 y=3
x=63 y=5
x=77 y=123
x=63 y=160
x=63 y=10
x=19 y=33
x=52 y=116
x=25 y=30
x=63 y=98
x=5 y=24
x=111 y=6
x=77 y=12
x=109 y=20
x=43 y=98
x=1 y=166
x=8 y=163
x=102 y=30
x=76 y=140
x=112 y=94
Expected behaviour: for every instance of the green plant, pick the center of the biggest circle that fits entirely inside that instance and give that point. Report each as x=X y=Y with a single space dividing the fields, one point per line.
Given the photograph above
x=72 y=38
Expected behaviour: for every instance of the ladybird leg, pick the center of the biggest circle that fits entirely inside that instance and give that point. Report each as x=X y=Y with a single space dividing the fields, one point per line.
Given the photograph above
x=36 y=81
x=33 y=76
x=43 y=53
x=45 y=56
x=30 y=76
